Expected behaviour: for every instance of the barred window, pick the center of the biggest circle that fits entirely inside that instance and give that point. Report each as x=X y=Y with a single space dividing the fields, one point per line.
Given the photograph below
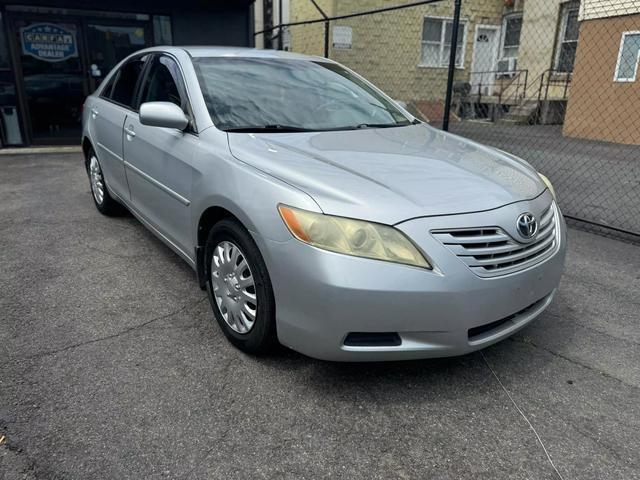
x=567 y=42
x=628 y=57
x=436 y=42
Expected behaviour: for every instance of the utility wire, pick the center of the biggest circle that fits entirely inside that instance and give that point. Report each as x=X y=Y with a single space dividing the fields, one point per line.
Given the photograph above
x=523 y=416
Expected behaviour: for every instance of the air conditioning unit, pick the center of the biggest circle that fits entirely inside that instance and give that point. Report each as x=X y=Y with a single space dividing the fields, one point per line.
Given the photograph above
x=507 y=67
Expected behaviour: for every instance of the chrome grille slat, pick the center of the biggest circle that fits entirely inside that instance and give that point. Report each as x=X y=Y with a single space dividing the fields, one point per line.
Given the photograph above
x=547 y=216
x=451 y=238
x=490 y=251
x=518 y=255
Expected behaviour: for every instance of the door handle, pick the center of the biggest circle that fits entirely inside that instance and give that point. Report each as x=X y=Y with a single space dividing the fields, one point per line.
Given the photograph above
x=130 y=132
x=94 y=112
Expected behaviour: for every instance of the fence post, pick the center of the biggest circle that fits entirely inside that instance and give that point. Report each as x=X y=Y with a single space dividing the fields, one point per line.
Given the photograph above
x=326 y=39
x=452 y=64
x=267 y=19
x=280 y=29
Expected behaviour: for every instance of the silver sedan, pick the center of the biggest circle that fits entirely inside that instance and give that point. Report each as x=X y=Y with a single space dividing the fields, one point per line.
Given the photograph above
x=316 y=211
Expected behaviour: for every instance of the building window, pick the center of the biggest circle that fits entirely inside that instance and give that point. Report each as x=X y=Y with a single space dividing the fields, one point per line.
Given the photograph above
x=511 y=28
x=567 y=37
x=628 y=57
x=436 y=42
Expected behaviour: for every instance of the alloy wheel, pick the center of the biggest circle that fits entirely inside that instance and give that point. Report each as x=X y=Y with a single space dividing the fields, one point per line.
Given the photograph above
x=97 y=180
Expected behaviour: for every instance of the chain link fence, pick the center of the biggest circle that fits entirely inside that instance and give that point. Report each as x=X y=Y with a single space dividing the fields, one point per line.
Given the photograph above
x=554 y=82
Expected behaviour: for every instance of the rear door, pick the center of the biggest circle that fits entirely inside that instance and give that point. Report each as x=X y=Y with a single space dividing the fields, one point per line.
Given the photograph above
x=108 y=114
x=159 y=161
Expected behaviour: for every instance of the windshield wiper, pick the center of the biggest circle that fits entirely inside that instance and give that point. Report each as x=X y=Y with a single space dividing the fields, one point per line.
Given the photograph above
x=381 y=125
x=267 y=128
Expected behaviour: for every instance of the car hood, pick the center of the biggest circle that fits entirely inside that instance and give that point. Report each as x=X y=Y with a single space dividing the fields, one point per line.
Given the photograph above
x=388 y=175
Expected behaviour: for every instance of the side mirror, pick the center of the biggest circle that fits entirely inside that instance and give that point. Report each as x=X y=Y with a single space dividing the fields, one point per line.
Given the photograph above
x=163 y=114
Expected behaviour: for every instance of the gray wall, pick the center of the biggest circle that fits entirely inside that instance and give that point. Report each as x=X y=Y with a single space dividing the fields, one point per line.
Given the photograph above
x=218 y=26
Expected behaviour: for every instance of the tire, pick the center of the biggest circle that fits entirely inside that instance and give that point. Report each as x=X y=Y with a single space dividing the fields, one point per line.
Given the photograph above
x=235 y=292
x=103 y=201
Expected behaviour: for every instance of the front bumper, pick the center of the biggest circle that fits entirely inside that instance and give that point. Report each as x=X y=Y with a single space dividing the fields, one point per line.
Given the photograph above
x=322 y=296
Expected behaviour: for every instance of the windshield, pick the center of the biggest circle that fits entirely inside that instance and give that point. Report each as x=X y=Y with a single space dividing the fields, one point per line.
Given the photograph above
x=245 y=94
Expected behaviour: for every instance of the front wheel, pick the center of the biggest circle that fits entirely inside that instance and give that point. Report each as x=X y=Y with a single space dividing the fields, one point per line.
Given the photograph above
x=239 y=288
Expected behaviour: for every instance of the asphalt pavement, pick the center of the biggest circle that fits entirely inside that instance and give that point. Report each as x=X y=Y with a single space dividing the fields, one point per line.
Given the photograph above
x=112 y=367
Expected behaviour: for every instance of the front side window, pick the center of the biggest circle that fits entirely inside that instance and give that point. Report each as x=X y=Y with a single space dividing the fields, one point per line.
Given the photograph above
x=628 y=57
x=436 y=42
x=567 y=37
x=267 y=94
x=124 y=88
x=511 y=29
x=162 y=83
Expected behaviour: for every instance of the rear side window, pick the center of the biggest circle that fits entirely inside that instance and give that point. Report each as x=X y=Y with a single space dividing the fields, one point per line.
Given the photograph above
x=124 y=89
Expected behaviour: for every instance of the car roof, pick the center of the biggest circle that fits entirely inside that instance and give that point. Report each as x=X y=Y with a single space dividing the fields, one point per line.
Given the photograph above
x=237 y=52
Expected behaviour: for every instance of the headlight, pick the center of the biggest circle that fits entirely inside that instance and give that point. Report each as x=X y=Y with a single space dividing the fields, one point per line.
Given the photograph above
x=547 y=182
x=351 y=237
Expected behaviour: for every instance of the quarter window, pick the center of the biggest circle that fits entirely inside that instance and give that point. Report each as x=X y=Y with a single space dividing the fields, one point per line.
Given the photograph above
x=436 y=42
x=125 y=87
x=567 y=37
x=628 y=57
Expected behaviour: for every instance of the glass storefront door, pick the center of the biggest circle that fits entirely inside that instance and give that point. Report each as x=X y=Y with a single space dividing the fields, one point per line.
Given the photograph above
x=53 y=77
x=61 y=62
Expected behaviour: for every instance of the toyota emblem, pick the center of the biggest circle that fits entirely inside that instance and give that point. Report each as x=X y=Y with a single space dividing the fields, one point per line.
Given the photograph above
x=527 y=225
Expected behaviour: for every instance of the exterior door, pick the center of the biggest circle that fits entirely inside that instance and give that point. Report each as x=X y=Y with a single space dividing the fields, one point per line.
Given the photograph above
x=159 y=161
x=54 y=78
x=485 y=49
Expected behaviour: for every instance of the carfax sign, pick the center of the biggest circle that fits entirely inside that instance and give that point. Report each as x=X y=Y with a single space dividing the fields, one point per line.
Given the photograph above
x=49 y=42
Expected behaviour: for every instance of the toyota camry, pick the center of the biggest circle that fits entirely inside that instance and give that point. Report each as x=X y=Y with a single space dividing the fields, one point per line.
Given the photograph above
x=316 y=211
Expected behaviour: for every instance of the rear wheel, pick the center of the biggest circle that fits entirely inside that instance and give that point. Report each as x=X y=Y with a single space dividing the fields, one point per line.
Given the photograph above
x=101 y=197
x=239 y=288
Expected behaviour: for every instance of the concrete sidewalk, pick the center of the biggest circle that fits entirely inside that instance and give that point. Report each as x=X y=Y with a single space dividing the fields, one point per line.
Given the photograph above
x=112 y=367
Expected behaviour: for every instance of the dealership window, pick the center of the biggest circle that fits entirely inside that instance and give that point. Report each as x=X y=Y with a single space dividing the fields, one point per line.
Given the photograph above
x=511 y=29
x=628 y=57
x=436 y=42
x=567 y=41
x=162 y=30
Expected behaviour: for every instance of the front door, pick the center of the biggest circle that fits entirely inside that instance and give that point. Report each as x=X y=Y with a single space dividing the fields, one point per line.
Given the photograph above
x=159 y=161
x=54 y=78
x=485 y=49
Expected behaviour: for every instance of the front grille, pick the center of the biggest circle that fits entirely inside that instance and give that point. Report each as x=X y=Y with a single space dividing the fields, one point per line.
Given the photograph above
x=490 y=251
